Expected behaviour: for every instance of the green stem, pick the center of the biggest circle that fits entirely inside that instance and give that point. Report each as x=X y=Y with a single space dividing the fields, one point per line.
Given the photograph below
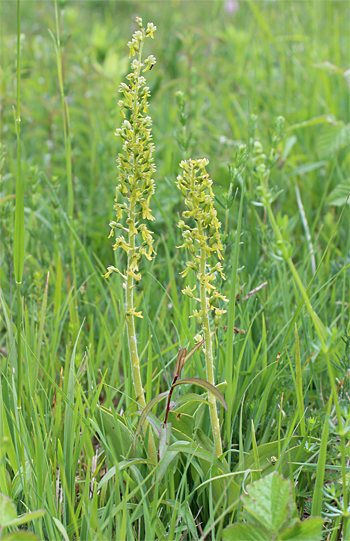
x=65 y=113
x=209 y=357
x=67 y=147
x=19 y=218
x=129 y=296
x=19 y=346
x=130 y=323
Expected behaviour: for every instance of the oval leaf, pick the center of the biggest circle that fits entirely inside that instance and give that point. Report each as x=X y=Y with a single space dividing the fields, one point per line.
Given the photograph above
x=205 y=385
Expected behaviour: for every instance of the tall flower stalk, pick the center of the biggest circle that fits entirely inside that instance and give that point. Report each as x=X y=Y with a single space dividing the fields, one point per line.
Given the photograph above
x=134 y=190
x=202 y=239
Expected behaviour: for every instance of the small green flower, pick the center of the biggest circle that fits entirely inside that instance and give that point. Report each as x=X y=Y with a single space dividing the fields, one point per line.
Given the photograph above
x=134 y=191
x=188 y=291
x=201 y=230
x=135 y=164
x=201 y=236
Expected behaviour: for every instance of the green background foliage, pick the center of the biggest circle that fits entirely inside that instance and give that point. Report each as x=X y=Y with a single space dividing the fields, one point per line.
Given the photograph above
x=232 y=60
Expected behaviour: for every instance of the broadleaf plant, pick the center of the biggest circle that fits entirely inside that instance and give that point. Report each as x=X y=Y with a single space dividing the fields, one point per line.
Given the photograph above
x=134 y=191
x=272 y=514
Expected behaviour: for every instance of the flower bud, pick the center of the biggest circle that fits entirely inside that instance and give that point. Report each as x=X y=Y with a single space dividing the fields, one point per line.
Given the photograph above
x=261 y=168
x=257 y=148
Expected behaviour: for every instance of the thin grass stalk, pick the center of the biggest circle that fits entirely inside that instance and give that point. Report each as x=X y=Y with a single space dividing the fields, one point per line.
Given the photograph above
x=67 y=141
x=321 y=463
x=209 y=356
x=299 y=384
x=19 y=219
x=231 y=321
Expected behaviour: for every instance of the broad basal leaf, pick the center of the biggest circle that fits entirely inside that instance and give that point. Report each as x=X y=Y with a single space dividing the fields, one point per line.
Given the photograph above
x=270 y=502
x=115 y=430
x=182 y=424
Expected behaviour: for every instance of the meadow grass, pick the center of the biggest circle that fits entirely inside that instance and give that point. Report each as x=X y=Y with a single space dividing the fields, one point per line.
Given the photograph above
x=68 y=411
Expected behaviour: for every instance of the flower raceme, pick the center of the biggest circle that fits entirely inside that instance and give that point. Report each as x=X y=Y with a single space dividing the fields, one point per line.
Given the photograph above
x=203 y=239
x=133 y=193
x=135 y=164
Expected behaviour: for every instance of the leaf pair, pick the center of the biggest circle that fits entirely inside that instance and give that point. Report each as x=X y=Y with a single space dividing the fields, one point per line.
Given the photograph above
x=182 y=358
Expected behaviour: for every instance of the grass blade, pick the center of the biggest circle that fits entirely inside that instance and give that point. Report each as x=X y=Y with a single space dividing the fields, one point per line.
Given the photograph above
x=318 y=488
x=299 y=383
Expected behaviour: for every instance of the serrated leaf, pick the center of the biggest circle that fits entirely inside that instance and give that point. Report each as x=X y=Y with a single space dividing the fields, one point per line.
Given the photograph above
x=270 y=502
x=245 y=532
x=205 y=385
x=309 y=530
x=340 y=195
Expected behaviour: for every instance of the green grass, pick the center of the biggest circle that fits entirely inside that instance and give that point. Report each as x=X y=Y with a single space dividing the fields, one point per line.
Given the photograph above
x=64 y=359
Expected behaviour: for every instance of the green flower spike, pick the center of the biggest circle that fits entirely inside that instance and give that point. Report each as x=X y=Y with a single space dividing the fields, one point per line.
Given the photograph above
x=134 y=191
x=202 y=238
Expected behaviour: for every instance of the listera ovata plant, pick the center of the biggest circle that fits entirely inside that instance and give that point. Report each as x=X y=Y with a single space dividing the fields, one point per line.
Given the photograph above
x=134 y=190
x=201 y=236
